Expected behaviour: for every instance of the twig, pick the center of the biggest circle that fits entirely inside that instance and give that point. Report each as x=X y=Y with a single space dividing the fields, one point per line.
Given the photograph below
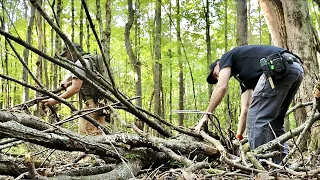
x=254 y=161
x=52 y=151
x=310 y=173
x=223 y=153
x=297 y=106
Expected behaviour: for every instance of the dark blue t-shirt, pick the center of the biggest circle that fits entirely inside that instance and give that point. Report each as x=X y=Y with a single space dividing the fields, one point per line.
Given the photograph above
x=245 y=63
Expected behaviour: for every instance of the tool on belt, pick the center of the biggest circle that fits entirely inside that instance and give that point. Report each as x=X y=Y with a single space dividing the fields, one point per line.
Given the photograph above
x=276 y=66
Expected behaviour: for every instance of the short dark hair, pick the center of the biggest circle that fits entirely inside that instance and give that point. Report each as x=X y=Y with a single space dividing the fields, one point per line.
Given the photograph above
x=210 y=78
x=66 y=49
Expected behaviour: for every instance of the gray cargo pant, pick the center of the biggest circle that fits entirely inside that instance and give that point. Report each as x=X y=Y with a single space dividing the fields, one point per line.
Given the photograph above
x=270 y=106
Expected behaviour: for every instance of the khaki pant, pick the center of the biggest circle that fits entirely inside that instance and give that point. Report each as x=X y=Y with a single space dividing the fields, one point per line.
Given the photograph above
x=85 y=127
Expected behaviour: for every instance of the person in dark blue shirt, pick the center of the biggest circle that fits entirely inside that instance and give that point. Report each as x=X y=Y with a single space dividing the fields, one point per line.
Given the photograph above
x=263 y=107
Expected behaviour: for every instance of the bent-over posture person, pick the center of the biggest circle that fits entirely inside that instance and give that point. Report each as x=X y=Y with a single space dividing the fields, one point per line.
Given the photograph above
x=269 y=77
x=89 y=94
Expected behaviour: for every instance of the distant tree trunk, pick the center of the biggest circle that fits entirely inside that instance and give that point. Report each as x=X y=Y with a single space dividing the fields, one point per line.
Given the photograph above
x=208 y=42
x=139 y=123
x=157 y=65
x=226 y=48
x=81 y=43
x=45 y=64
x=181 y=80
x=57 y=45
x=39 y=39
x=242 y=23
x=88 y=35
x=249 y=21
x=81 y=26
x=135 y=62
x=72 y=20
x=39 y=60
x=26 y=53
x=107 y=32
x=170 y=86
x=53 y=51
x=6 y=82
x=170 y=65
x=2 y=82
x=291 y=28
x=99 y=19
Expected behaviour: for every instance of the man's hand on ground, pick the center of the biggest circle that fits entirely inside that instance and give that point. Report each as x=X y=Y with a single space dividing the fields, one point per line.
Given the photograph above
x=50 y=102
x=198 y=127
x=239 y=137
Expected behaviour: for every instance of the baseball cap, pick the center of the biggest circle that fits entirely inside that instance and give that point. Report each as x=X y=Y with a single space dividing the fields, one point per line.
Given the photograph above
x=65 y=49
x=210 y=78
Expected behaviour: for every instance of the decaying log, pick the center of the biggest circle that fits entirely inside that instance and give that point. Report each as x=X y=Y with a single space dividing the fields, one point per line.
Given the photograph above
x=66 y=141
x=86 y=171
x=186 y=161
x=119 y=146
x=25 y=119
x=126 y=170
x=10 y=167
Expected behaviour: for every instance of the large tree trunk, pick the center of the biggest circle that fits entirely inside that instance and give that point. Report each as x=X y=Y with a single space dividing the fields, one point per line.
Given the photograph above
x=157 y=66
x=290 y=27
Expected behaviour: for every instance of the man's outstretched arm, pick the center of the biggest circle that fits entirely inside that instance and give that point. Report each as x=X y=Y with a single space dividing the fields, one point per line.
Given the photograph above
x=217 y=95
x=245 y=103
x=72 y=90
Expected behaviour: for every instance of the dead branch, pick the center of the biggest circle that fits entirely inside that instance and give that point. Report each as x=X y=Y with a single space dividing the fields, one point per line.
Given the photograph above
x=283 y=138
x=224 y=154
x=308 y=123
x=36 y=100
x=86 y=171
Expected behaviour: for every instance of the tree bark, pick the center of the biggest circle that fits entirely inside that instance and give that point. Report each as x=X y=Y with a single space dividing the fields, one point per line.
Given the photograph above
x=72 y=20
x=290 y=27
x=208 y=42
x=242 y=23
x=55 y=76
x=26 y=53
x=39 y=60
x=180 y=63
x=99 y=18
x=135 y=62
x=107 y=32
x=157 y=65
